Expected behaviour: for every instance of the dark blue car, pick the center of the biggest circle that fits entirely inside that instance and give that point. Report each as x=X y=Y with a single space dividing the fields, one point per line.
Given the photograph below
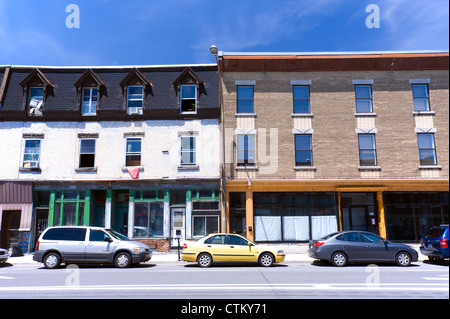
x=434 y=243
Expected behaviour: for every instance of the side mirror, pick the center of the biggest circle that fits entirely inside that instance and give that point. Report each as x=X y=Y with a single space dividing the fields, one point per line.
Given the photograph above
x=250 y=244
x=108 y=239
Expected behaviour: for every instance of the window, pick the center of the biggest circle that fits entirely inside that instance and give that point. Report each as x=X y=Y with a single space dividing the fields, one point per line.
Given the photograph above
x=70 y=234
x=371 y=238
x=301 y=98
x=363 y=94
x=97 y=235
x=367 y=150
x=188 y=98
x=90 y=98
x=71 y=208
x=217 y=240
x=353 y=237
x=133 y=152
x=246 y=150
x=235 y=240
x=303 y=150
x=148 y=219
x=87 y=153
x=188 y=150
x=420 y=97
x=205 y=225
x=427 y=149
x=245 y=99
x=135 y=99
x=32 y=154
x=35 y=100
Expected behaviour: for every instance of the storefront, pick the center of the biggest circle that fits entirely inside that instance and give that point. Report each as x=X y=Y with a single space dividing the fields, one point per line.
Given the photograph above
x=294 y=214
x=155 y=214
x=16 y=208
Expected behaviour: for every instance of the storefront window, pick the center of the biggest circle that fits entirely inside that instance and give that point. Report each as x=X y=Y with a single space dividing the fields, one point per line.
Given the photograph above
x=148 y=219
x=294 y=216
x=69 y=208
x=410 y=214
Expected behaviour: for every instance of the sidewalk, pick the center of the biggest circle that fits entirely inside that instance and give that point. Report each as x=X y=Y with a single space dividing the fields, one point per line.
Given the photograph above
x=294 y=253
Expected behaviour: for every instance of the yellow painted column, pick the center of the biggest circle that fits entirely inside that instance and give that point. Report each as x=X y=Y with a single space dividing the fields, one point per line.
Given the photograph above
x=249 y=215
x=381 y=217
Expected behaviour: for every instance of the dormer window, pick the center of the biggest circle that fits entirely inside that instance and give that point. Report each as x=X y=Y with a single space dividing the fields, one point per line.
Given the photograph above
x=35 y=87
x=188 y=98
x=89 y=89
x=135 y=99
x=35 y=100
x=90 y=98
x=135 y=87
x=188 y=85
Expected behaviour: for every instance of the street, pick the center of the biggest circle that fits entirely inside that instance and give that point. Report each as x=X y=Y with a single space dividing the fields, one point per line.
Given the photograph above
x=180 y=280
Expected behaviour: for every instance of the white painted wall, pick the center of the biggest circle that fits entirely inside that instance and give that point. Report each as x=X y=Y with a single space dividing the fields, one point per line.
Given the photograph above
x=60 y=149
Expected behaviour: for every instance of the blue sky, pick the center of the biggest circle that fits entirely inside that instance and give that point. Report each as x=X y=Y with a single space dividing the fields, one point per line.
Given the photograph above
x=153 y=32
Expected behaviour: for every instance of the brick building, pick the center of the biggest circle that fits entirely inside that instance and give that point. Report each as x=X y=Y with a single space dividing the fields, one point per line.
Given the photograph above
x=316 y=143
x=132 y=148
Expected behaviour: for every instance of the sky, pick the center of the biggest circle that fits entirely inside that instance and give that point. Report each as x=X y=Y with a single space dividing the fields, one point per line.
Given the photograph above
x=156 y=32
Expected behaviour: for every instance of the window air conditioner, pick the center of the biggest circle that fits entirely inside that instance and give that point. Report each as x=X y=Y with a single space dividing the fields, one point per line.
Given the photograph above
x=135 y=110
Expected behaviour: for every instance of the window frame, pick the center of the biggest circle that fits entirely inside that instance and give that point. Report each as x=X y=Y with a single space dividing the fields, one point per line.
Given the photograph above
x=421 y=98
x=133 y=153
x=190 y=98
x=374 y=149
x=85 y=153
x=247 y=151
x=25 y=153
x=191 y=151
x=243 y=99
x=302 y=99
x=370 y=99
x=30 y=99
x=90 y=102
x=298 y=164
x=131 y=100
x=433 y=149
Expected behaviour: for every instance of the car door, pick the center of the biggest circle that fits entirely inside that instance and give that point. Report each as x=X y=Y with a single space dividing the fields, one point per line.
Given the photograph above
x=377 y=249
x=352 y=246
x=72 y=244
x=218 y=248
x=100 y=247
x=240 y=249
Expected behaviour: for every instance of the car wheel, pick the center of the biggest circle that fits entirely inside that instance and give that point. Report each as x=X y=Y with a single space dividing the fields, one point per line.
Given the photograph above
x=204 y=260
x=122 y=260
x=403 y=259
x=266 y=260
x=52 y=261
x=339 y=259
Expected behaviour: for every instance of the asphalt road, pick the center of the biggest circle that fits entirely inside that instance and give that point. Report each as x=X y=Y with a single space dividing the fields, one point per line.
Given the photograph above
x=188 y=281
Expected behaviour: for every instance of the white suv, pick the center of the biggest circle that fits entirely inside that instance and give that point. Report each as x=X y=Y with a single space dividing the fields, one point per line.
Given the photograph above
x=72 y=244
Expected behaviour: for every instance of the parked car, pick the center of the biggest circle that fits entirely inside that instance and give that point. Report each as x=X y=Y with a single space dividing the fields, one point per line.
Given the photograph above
x=344 y=247
x=66 y=245
x=434 y=243
x=229 y=248
x=4 y=255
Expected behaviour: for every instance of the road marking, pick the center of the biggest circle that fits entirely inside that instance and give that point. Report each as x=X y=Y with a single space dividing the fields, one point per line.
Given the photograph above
x=202 y=287
x=441 y=277
x=7 y=278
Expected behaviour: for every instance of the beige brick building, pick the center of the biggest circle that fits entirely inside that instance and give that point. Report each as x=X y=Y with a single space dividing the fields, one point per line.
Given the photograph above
x=316 y=143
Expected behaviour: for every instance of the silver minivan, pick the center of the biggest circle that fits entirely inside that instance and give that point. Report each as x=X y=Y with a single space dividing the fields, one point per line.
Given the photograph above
x=76 y=244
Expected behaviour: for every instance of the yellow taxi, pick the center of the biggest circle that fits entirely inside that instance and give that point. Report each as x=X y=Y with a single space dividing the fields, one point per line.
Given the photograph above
x=229 y=248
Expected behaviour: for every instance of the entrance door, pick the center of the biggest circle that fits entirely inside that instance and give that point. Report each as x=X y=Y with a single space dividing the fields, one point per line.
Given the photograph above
x=10 y=228
x=360 y=218
x=178 y=226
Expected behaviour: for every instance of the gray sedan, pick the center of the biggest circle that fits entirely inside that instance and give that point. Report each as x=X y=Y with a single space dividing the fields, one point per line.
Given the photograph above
x=357 y=246
x=3 y=255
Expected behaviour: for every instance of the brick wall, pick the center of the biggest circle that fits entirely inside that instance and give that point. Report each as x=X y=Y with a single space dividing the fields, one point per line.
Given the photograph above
x=335 y=142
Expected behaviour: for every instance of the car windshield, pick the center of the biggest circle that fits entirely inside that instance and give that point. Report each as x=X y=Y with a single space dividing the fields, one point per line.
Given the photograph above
x=116 y=235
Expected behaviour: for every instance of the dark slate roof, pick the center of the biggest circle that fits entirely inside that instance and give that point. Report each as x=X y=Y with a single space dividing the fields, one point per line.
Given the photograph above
x=161 y=100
